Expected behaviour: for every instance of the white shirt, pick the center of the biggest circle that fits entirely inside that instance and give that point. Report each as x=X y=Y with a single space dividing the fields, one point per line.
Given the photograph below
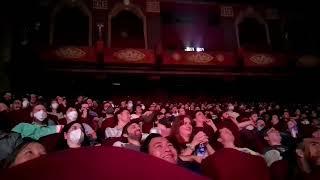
x=134 y=116
x=113 y=132
x=88 y=129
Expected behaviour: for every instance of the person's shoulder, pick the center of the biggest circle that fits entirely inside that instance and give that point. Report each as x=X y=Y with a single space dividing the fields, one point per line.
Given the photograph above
x=118 y=144
x=109 y=129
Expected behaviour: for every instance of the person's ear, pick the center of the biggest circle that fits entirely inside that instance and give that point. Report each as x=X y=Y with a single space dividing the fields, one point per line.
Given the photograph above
x=31 y=114
x=300 y=153
x=219 y=140
x=125 y=135
x=65 y=135
x=266 y=138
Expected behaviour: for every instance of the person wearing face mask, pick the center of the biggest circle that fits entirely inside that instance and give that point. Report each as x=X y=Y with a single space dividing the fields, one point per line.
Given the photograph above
x=72 y=116
x=73 y=136
x=25 y=103
x=54 y=112
x=40 y=126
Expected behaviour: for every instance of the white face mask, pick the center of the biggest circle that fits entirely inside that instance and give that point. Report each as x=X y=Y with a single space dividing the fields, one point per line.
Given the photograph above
x=54 y=105
x=25 y=104
x=231 y=108
x=154 y=130
x=260 y=128
x=130 y=105
x=72 y=116
x=76 y=136
x=40 y=115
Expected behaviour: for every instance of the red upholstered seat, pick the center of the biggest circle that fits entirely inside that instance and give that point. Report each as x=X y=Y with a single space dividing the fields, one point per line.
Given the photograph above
x=98 y=163
x=50 y=142
x=109 y=122
x=19 y=116
x=111 y=141
x=231 y=164
x=62 y=121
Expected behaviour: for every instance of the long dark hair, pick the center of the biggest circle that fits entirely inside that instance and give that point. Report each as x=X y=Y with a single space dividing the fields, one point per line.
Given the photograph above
x=62 y=144
x=175 y=132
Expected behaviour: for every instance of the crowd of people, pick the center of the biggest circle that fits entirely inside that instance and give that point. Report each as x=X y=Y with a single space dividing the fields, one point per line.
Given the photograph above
x=227 y=139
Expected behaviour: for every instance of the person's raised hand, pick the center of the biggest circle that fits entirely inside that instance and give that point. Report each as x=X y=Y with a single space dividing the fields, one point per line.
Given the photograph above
x=199 y=138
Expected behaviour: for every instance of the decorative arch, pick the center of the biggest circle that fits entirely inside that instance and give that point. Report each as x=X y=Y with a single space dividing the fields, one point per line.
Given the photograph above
x=70 y=3
x=133 y=9
x=251 y=13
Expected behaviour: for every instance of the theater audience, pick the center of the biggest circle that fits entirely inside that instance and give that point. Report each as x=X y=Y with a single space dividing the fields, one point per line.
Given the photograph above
x=248 y=138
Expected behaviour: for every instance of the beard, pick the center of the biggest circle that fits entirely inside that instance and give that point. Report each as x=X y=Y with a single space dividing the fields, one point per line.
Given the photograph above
x=136 y=136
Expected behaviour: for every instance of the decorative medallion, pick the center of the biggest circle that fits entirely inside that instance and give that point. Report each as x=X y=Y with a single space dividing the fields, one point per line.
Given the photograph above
x=308 y=61
x=70 y=52
x=261 y=59
x=220 y=57
x=199 y=57
x=176 y=56
x=129 y=55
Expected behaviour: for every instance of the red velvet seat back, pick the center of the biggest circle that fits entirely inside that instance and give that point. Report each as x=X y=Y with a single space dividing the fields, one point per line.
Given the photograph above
x=98 y=163
x=231 y=164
